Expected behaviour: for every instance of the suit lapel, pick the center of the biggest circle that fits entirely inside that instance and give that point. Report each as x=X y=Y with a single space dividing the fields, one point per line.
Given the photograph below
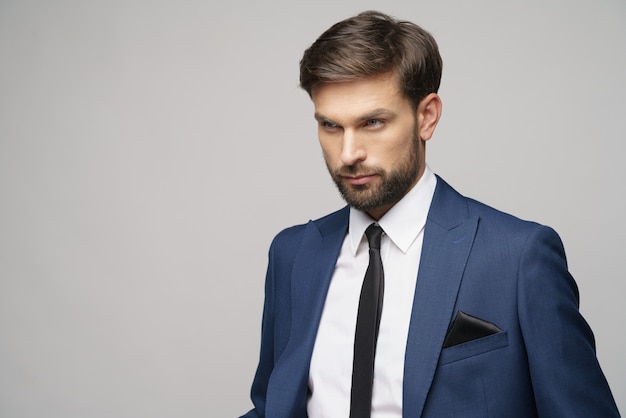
x=310 y=278
x=448 y=238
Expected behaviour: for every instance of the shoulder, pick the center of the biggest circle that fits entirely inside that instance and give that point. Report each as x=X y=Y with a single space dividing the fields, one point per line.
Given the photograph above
x=503 y=221
x=290 y=238
x=512 y=233
x=497 y=224
x=498 y=217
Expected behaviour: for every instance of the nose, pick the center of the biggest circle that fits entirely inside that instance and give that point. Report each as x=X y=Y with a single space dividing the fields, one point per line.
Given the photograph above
x=352 y=150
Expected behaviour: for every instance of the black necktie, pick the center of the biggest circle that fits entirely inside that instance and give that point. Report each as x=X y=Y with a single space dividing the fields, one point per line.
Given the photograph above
x=367 y=324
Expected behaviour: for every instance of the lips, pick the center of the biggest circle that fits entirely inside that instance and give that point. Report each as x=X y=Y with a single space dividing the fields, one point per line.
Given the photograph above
x=360 y=179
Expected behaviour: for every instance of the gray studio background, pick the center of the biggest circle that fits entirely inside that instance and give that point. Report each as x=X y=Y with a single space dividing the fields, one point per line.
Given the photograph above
x=150 y=150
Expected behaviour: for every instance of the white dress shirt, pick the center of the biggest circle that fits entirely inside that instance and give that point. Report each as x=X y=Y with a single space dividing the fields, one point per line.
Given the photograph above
x=330 y=374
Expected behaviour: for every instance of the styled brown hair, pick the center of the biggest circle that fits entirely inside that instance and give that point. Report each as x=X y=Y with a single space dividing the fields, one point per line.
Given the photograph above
x=369 y=44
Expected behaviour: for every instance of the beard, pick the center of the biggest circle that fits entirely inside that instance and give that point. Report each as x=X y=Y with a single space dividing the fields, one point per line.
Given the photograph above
x=389 y=188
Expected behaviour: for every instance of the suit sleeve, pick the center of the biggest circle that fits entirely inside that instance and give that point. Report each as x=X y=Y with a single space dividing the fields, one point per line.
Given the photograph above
x=566 y=376
x=258 y=392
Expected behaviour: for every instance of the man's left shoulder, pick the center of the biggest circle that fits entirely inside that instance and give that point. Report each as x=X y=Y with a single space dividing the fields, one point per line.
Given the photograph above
x=494 y=220
x=491 y=214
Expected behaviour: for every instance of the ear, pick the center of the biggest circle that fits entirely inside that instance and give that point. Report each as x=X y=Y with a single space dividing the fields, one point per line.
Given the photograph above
x=428 y=114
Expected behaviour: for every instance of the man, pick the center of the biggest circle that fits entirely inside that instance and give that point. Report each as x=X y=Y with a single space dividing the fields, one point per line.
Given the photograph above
x=472 y=313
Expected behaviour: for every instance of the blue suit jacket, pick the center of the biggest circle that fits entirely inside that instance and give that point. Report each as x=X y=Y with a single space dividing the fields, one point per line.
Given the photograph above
x=475 y=259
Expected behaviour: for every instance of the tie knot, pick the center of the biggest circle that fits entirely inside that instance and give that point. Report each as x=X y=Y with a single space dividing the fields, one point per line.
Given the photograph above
x=373 y=233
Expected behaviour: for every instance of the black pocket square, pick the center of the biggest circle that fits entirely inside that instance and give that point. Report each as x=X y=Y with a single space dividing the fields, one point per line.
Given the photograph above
x=466 y=328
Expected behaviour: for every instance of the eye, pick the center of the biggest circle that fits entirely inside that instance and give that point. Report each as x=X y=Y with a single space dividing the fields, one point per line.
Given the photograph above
x=374 y=123
x=328 y=125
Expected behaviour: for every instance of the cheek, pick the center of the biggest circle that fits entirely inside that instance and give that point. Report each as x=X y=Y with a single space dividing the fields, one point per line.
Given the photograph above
x=330 y=150
x=392 y=151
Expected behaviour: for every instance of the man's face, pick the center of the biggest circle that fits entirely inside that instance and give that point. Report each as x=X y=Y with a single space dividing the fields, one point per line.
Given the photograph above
x=369 y=136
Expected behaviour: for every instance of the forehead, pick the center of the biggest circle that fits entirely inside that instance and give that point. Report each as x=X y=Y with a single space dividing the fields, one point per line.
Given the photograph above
x=356 y=97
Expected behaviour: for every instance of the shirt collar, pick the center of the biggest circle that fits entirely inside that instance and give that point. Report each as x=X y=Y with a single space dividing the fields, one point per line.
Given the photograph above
x=404 y=221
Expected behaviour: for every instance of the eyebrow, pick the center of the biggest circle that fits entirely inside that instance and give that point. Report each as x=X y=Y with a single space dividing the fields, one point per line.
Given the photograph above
x=376 y=113
x=320 y=118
